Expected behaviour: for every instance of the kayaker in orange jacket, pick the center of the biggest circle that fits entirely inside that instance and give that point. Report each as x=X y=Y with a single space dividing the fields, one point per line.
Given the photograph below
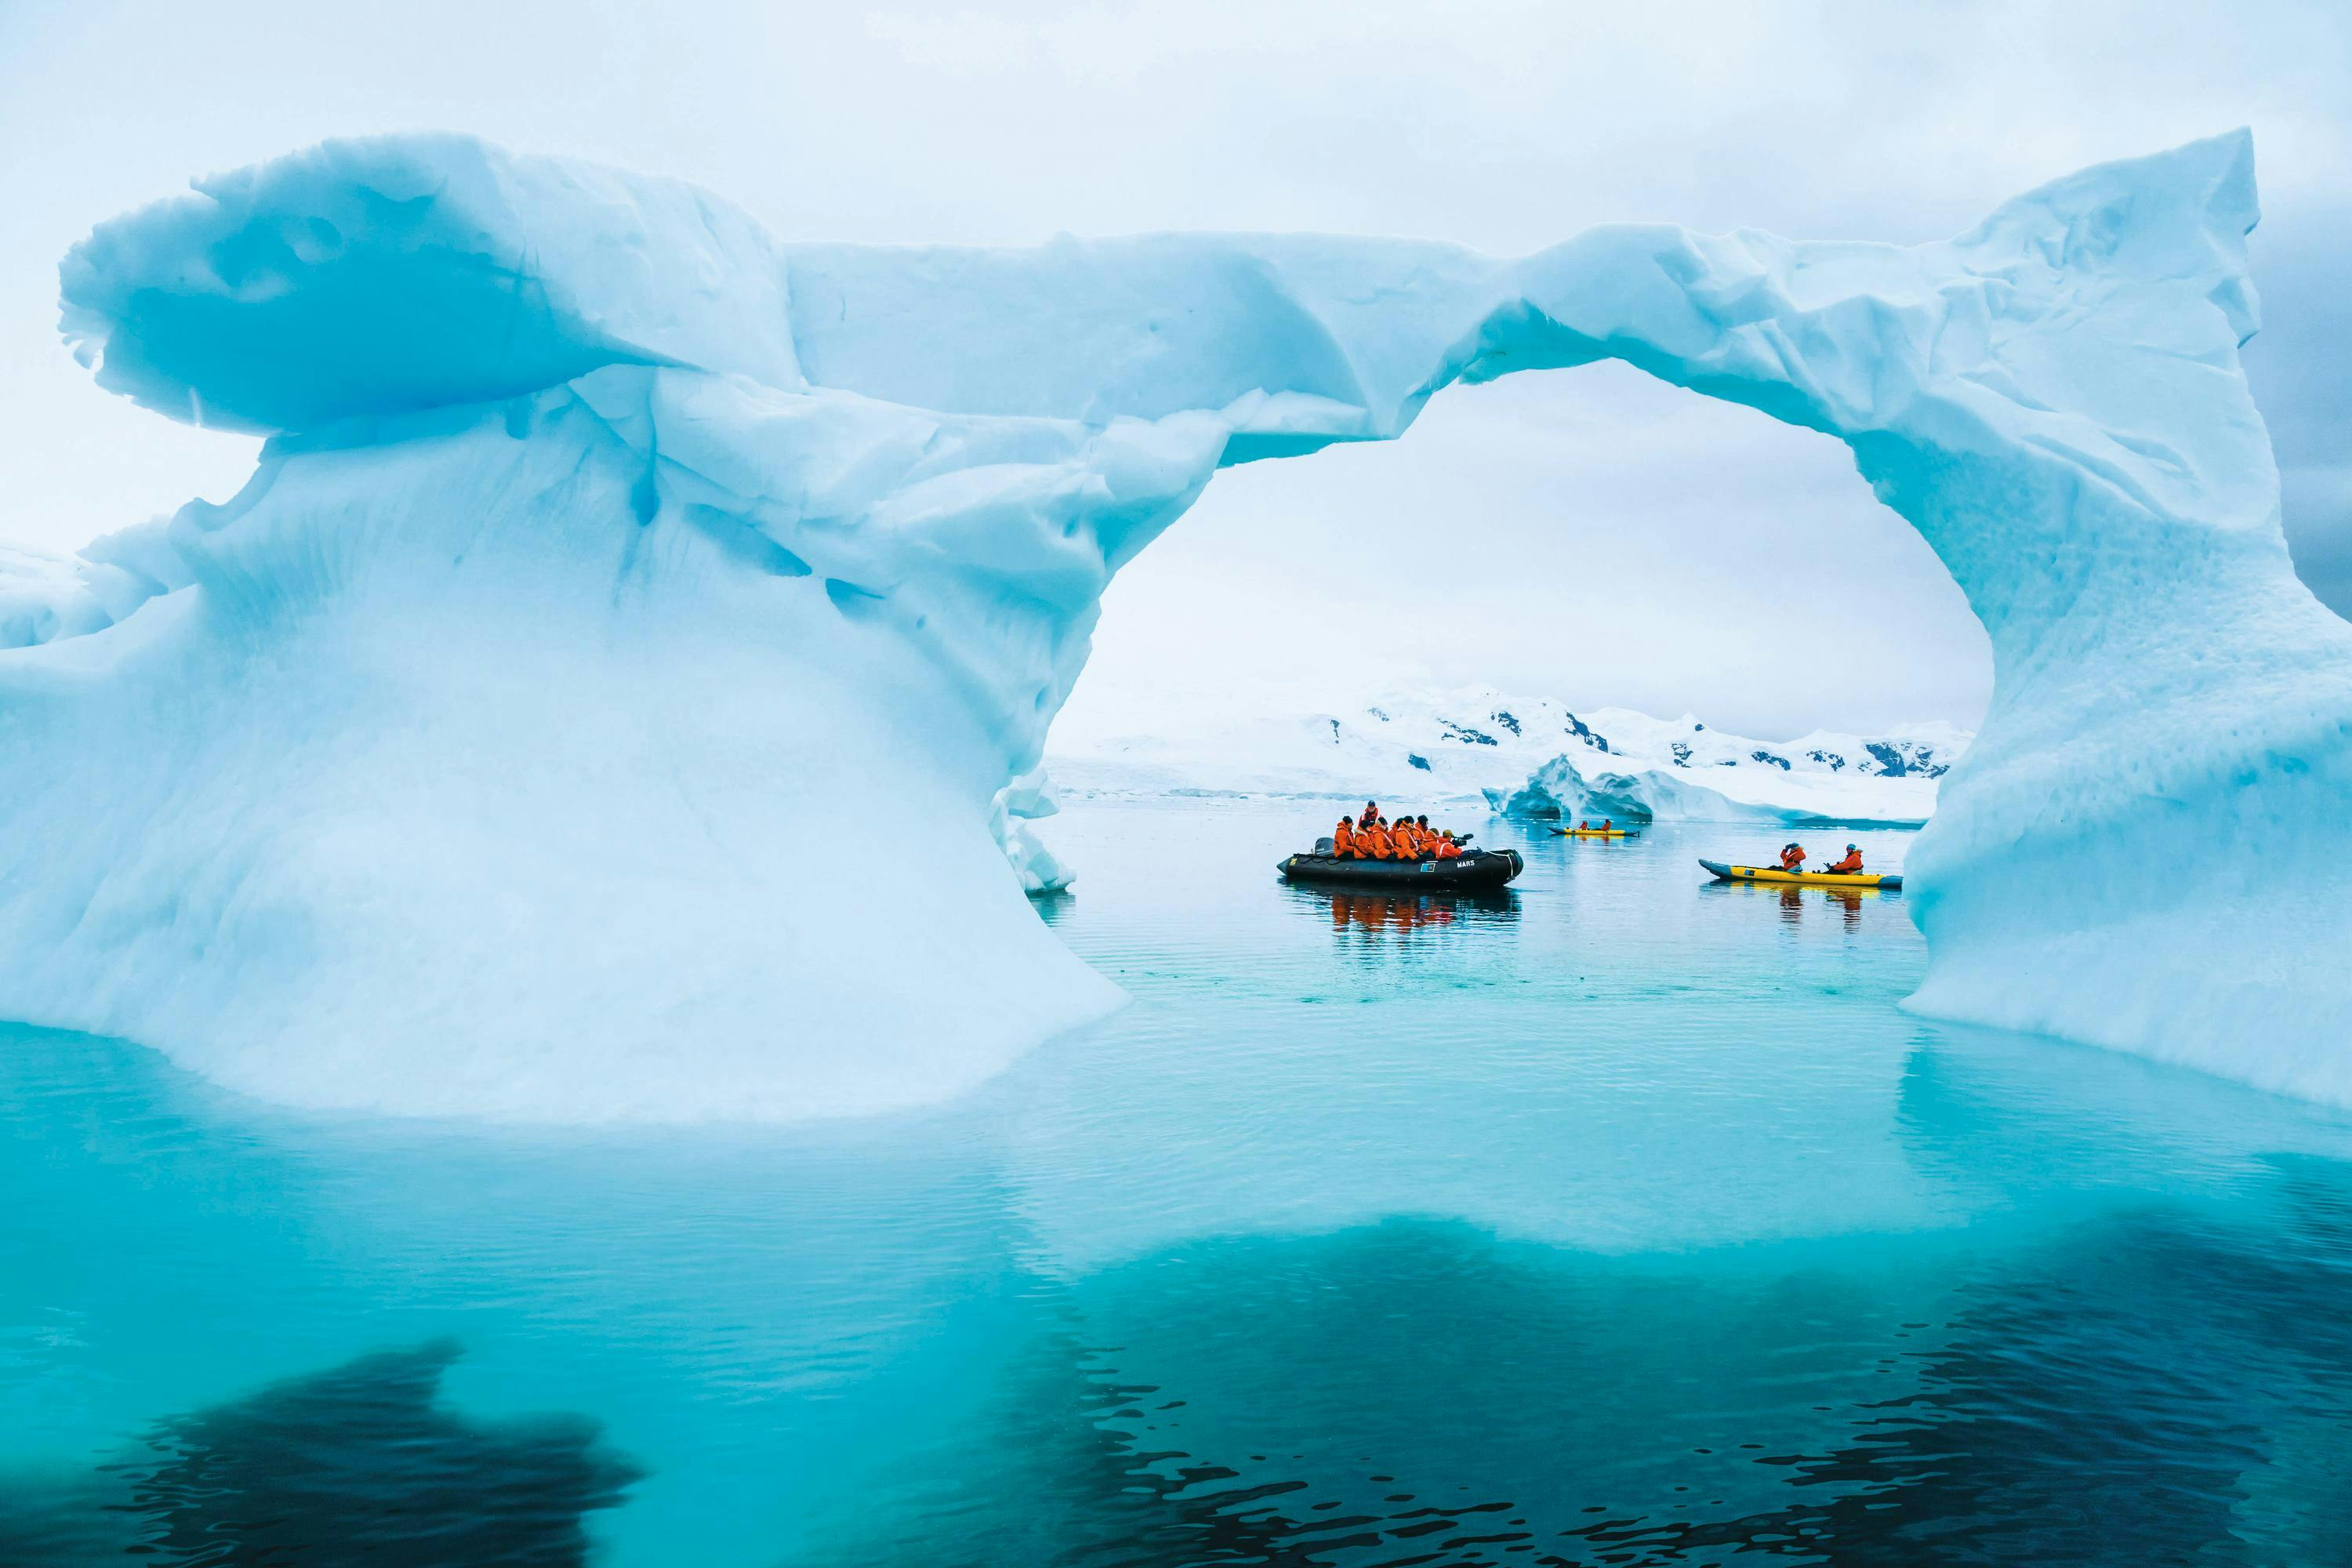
x=1851 y=865
x=1792 y=857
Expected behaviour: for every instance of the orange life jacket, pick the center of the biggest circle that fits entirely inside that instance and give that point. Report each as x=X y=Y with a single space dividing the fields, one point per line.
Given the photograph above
x=1343 y=840
x=1850 y=864
x=1448 y=850
x=1381 y=846
x=1792 y=858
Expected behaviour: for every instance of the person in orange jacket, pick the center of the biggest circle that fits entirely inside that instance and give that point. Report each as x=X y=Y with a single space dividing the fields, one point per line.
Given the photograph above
x=1401 y=833
x=1377 y=845
x=1446 y=850
x=1792 y=857
x=1343 y=840
x=1851 y=865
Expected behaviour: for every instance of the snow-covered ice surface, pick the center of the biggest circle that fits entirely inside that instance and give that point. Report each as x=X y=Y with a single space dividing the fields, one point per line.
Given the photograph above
x=608 y=697
x=1516 y=754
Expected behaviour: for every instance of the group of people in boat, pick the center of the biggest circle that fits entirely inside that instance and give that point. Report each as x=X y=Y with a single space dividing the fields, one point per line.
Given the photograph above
x=1792 y=858
x=1374 y=837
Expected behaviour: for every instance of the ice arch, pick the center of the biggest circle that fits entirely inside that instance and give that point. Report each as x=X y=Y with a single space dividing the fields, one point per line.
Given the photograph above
x=614 y=571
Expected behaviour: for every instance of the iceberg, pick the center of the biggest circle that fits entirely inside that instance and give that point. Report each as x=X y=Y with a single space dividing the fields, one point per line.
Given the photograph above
x=1630 y=792
x=619 y=689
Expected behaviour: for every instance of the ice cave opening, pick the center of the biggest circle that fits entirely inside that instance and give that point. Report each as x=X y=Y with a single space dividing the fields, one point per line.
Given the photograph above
x=1593 y=536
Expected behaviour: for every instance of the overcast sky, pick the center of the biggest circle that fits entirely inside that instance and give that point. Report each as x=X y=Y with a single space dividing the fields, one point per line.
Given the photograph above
x=1615 y=541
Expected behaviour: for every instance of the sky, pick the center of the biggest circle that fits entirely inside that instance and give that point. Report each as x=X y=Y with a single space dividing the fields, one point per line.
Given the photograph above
x=1585 y=534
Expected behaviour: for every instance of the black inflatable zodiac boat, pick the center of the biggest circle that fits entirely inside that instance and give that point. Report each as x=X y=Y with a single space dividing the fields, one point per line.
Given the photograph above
x=1477 y=869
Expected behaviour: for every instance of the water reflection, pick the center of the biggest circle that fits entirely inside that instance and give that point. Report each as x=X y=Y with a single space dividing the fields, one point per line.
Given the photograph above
x=1392 y=914
x=1053 y=906
x=1792 y=899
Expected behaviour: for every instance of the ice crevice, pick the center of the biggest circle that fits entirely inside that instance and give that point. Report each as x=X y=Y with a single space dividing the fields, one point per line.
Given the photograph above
x=363 y=790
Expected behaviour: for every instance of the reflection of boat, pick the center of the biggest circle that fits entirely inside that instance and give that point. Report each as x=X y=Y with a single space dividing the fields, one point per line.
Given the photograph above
x=1478 y=868
x=1382 y=913
x=1388 y=911
x=1598 y=832
x=1773 y=874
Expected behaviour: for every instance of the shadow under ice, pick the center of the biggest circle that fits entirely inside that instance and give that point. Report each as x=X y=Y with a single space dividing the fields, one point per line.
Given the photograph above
x=357 y=1465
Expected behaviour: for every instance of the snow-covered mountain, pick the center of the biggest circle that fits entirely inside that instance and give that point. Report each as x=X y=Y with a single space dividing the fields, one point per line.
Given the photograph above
x=1520 y=754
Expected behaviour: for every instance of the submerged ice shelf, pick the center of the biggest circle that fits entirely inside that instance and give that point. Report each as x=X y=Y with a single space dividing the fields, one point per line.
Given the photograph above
x=619 y=583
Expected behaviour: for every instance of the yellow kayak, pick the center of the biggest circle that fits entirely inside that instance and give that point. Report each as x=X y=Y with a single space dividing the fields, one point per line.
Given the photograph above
x=1799 y=879
x=1598 y=832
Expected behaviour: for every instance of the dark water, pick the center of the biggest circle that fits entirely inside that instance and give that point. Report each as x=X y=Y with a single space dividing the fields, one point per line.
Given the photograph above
x=1621 y=1219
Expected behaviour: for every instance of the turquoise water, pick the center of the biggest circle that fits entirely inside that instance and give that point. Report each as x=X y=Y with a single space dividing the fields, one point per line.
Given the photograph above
x=1623 y=1218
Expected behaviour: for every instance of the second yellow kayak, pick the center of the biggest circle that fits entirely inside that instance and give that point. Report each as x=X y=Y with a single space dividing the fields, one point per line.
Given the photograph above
x=1724 y=873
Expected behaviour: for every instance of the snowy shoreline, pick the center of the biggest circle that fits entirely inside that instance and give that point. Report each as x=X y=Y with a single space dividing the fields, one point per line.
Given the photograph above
x=1518 y=756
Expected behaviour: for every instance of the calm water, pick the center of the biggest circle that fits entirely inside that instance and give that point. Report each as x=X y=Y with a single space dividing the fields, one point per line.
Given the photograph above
x=1620 y=1219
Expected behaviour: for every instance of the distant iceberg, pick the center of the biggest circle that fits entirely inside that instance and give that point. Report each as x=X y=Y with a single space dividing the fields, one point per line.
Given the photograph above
x=620 y=589
x=1631 y=792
